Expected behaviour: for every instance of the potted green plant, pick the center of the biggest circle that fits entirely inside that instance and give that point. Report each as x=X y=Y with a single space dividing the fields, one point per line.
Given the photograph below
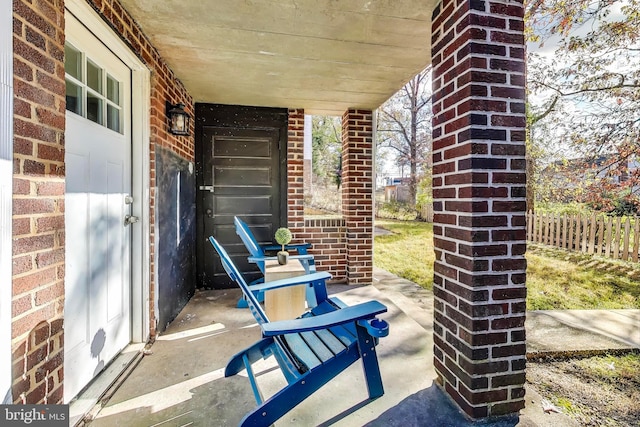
x=283 y=237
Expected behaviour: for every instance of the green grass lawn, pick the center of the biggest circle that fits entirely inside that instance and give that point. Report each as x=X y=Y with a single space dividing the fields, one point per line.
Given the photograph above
x=555 y=279
x=407 y=252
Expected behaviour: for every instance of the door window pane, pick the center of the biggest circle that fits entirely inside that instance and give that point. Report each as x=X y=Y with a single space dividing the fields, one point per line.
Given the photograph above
x=113 y=118
x=74 y=97
x=72 y=62
x=95 y=108
x=94 y=77
x=91 y=92
x=113 y=90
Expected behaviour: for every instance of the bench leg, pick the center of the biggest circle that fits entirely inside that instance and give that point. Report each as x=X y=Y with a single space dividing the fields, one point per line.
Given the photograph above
x=367 y=347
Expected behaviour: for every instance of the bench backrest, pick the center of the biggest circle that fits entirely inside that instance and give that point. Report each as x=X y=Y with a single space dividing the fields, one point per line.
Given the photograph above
x=236 y=276
x=243 y=230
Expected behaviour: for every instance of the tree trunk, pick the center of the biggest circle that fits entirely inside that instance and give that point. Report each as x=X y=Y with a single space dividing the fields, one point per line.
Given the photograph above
x=531 y=191
x=413 y=161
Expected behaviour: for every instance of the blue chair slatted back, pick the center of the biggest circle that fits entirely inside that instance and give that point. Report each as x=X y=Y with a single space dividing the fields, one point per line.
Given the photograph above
x=234 y=274
x=242 y=229
x=257 y=251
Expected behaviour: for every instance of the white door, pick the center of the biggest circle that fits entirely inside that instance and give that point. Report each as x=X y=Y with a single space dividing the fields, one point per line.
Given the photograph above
x=98 y=183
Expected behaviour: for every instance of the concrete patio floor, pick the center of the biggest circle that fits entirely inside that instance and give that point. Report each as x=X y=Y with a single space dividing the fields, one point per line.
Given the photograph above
x=181 y=383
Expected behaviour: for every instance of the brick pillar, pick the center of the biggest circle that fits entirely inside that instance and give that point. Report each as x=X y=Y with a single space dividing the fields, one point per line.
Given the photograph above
x=357 y=193
x=295 y=172
x=479 y=201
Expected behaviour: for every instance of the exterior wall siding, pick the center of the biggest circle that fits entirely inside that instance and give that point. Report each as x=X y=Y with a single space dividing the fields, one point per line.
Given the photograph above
x=479 y=193
x=39 y=183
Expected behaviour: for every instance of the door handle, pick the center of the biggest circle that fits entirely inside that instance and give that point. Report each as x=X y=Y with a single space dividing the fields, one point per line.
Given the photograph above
x=130 y=219
x=209 y=213
x=206 y=188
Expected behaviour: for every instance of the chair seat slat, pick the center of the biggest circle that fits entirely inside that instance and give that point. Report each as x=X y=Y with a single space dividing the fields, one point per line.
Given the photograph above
x=317 y=346
x=345 y=333
x=331 y=341
x=301 y=351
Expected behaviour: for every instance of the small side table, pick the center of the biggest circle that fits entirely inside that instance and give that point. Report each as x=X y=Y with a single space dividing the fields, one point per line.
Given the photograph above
x=286 y=303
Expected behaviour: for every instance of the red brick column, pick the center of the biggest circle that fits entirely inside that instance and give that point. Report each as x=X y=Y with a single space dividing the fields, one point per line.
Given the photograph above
x=357 y=193
x=295 y=172
x=479 y=201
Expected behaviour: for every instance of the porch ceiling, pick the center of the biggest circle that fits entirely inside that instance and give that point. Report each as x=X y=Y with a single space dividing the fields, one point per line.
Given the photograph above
x=321 y=55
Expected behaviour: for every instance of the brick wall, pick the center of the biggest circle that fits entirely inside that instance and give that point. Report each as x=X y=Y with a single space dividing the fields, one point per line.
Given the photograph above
x=479 y=202
x=38 y=201
x=39 y=361
x=329 y=240
x=357 y=193
x=327 y=236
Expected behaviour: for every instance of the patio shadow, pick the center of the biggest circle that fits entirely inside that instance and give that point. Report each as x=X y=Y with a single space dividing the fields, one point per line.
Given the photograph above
x=431 y=407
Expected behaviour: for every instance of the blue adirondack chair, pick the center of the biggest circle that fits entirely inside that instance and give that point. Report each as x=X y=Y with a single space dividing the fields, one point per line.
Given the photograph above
x=257 y=255
x=310 y=350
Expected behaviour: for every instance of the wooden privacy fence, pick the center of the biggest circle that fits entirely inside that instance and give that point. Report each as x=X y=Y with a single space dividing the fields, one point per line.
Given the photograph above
x=612 y=237
x=426 y=212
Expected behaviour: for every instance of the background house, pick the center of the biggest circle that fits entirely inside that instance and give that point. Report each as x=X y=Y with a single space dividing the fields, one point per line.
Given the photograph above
x=397 y=190
x=566 y=179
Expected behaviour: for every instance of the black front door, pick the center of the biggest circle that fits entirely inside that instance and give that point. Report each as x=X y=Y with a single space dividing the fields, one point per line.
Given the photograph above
x=241 y=170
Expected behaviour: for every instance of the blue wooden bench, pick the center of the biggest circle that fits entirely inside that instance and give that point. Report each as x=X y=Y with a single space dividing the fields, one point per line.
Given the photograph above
x=258 y=255
x=310 y=350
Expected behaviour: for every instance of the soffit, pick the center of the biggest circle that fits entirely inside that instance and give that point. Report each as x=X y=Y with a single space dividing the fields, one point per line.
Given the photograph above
x=321 y=55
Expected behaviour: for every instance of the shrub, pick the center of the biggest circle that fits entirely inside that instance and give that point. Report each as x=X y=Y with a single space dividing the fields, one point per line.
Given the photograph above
x=396 y=210
x=571 y=208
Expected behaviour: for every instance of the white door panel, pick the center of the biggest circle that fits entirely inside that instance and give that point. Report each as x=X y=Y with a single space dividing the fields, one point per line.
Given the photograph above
x=77 y=267
x=98 y=243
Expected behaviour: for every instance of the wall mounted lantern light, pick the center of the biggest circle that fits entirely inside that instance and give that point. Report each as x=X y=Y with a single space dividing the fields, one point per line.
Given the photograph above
x=179 y=119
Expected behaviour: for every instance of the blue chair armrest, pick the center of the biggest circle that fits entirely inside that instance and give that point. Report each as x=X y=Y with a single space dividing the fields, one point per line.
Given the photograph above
x=292 y=281
x=363 y=311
